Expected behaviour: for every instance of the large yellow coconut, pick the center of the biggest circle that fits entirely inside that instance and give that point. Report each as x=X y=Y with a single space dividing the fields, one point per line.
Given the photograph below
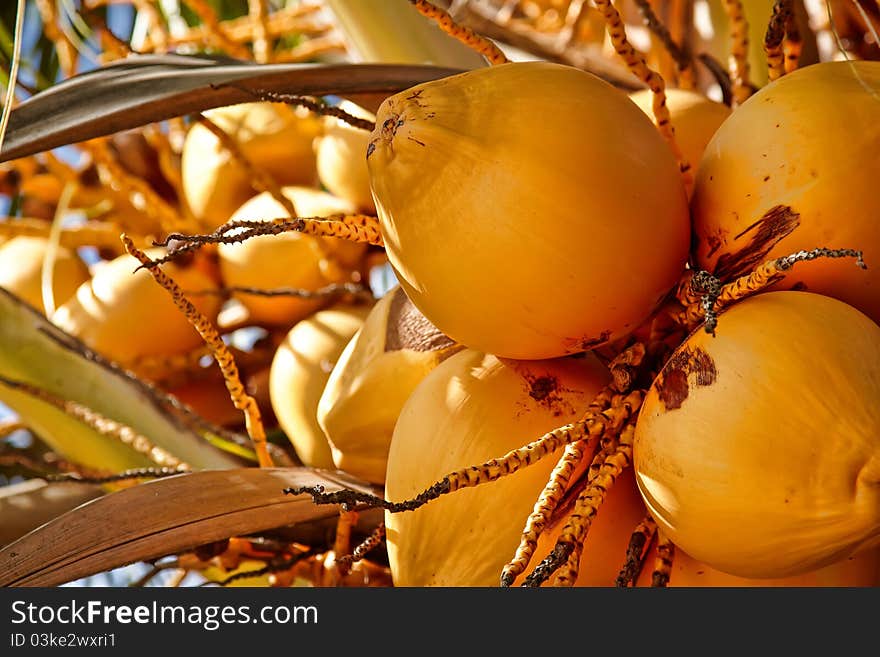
x=695 y=117
x=21 y=271
x=796 y=168
x=275 y=137
x=290 y=260
x=374 y=376
x=530 y=210
x=342 y=158
x=300 y=369
x=125 y=315
x=471 y=408
x=758 y=450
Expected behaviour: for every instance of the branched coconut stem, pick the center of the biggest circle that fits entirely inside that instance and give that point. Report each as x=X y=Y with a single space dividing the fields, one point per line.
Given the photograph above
x=240 y=399
x=101 y=424
x=364 y=547
x=608 y=410
x=274 y=567
x=571 y=541
x=547 y=503
x=774 y=270
x=314 y=105
x=637 y=65
x=682 y=57
x=624 y=368
x=342 y=541
x=467 y=36
x=138 y=473
x=636 y=551
x=704 y=295
x=774 y=37
x=332 y=290
x=663 y=563
x=793 y=44
x=155 y=205
x=352 y=227
x=739 y=55
x=722 y=77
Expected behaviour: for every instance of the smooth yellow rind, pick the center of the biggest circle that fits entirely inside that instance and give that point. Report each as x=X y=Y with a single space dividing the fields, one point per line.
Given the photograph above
x=471 y=408
x=809 y=142
x=530 y=210
x=758 y=450
x=299 y=372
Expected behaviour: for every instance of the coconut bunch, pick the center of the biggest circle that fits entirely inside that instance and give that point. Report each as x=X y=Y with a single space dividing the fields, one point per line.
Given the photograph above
x=582 y=315
x=632 y=337
x=643 y=307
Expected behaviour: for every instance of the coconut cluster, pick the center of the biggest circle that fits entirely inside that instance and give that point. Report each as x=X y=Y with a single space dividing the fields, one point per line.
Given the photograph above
x=558 y=264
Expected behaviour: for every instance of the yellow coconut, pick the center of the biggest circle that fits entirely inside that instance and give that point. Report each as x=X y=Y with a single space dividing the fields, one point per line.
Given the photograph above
x=374 y=376
x=758 y=450
x=471 y=408
x=125 y=315
x=695 y=117
x=290 y=260
x=21 y=271
x=862 y=569
x=514 y=207
x=795 y=168
x=276 y=138
x=342 y=158
x=300 y=369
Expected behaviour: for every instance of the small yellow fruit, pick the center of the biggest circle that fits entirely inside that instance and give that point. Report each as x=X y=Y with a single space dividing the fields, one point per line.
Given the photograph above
x=471 y=408
x=300 y=369
x=21 y=271
x=290 y=259
x=796 y=168
x=276 y=138
x=125 y=315
x=342 y=159
x=530 y=209
x=374 y=376
x=758 y=450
